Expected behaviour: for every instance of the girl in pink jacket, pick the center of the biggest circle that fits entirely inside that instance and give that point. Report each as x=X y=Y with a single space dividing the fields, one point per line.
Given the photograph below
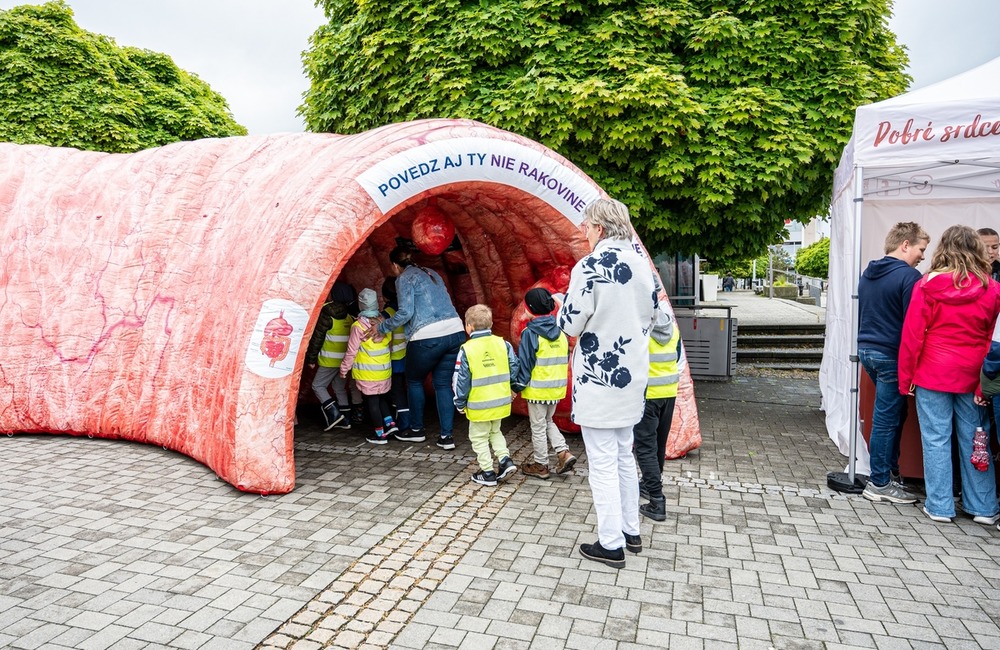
x=946 y=334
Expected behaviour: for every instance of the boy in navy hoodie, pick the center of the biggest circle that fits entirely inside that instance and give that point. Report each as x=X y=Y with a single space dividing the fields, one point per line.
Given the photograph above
x=883 y=297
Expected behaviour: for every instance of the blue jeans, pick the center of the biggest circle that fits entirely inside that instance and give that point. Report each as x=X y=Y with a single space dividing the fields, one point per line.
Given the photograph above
x=435 y=357
x=938 y=413
x=887 y=417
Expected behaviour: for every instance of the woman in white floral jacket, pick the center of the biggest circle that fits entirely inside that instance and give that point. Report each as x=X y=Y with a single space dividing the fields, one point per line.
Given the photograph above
x=610 y=305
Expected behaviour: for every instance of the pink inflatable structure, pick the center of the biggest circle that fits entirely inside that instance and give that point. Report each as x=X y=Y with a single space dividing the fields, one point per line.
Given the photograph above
x=167 y=296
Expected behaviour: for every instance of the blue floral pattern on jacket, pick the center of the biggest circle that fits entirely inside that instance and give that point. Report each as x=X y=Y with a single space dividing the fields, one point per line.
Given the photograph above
x=605 y=369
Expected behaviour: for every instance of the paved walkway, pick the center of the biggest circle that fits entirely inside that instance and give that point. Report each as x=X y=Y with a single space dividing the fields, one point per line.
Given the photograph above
x=751 y=309
x=120 y=545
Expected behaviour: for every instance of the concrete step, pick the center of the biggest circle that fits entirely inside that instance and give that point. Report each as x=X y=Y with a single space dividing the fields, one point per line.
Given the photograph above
x=778 y=354
x=746 y=341
x=783 y=365
x=781 y=347
x=814 y=329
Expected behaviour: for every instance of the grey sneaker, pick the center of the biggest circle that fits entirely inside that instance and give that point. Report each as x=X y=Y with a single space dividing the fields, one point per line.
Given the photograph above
x=891 y=492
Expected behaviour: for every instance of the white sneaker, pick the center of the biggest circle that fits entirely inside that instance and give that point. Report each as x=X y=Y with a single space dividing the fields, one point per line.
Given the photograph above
x=979 y=519
x=937 y=518
x=890 y=492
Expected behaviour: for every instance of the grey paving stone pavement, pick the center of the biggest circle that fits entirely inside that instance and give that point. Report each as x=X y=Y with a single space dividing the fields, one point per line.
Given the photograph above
x=108 y=544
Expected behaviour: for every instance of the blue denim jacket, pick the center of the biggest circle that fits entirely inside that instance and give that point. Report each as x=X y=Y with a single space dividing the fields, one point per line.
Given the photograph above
x=423 y=299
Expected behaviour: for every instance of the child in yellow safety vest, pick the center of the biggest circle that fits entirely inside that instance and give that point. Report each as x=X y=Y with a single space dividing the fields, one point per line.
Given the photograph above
x=483 y=370
x=368 y=361
x=543 y=356
x=397 y=352
x=650 y=434
x=326 y=351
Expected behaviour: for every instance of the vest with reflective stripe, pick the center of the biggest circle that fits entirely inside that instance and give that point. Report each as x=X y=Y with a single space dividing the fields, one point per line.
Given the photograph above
x=372 y=361
x=398 y=344
x=663 y=367
x=548 y=377
x=335 y=344
x=490 y=396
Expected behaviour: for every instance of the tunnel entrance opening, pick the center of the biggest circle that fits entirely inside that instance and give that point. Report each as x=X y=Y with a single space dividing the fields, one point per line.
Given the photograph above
x=504 y=244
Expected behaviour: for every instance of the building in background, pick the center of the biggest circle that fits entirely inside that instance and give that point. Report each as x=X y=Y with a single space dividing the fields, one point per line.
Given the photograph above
x=802 y=235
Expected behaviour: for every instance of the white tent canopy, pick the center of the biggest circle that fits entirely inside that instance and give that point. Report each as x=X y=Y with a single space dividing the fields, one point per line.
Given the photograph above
x=930 y=156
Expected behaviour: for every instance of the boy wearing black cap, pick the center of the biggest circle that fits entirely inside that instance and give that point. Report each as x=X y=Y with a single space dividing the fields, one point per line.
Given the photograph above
x=543 y=356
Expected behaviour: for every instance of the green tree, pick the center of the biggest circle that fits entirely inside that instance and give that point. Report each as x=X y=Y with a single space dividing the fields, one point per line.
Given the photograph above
x=63 y=86
x=744 y=268
x=713 y=121
x=814 y=259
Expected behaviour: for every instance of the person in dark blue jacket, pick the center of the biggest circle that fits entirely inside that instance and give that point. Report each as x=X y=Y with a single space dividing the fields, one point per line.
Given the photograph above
x=883 y=297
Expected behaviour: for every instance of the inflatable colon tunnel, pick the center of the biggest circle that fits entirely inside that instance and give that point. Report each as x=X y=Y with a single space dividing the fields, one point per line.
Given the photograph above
x=168 y=296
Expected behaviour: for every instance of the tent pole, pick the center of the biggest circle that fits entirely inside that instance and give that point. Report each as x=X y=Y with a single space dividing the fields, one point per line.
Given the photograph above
x=859 y=193
x=840 y=481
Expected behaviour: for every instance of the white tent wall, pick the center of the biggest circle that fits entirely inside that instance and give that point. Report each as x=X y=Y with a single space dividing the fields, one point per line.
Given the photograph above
x=930 y=156
x=835 y=374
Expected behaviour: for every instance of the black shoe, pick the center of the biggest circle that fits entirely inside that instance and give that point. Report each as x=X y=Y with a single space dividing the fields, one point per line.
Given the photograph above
x=506 y=468
x=446 y=442
x=656 y=509
x=378 y=439
x=357 y=417
x=633 y=543
x=614 y=558
x=408 y=435
x=331 y=414
x=391 y=428
x=489 y=477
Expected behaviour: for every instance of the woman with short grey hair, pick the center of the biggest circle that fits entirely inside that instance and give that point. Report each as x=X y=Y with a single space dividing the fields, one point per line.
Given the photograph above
x=609 y=306
x=611 y=217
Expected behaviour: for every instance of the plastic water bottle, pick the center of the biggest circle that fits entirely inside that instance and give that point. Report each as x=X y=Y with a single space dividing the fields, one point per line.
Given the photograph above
x=980 y=452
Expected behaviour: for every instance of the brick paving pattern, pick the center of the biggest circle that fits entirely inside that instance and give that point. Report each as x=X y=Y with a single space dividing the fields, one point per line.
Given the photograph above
x=112 y=544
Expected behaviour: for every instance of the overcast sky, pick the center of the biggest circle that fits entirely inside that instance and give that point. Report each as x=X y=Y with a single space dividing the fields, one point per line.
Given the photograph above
x=250 y=50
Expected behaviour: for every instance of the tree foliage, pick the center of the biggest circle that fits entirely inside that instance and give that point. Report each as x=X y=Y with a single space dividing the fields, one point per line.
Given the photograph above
x=713 y=121
x=814 y=259
x=61 y=85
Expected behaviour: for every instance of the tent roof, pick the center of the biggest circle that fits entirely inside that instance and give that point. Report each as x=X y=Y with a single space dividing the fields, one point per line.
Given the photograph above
x=955 y=119
x=945 y=134
x=975 y=84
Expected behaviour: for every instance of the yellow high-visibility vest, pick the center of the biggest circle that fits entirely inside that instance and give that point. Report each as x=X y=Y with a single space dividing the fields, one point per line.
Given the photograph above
x=372 y=361
x=335 y=343
x=397 y=346
x=490 y=396
x=663 y=376
x=548 y=377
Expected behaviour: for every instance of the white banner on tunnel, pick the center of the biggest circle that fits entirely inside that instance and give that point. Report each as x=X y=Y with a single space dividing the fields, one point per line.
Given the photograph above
x=422 y=168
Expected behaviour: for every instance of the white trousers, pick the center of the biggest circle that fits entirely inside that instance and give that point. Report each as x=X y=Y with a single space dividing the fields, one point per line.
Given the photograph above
x=614 y=483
